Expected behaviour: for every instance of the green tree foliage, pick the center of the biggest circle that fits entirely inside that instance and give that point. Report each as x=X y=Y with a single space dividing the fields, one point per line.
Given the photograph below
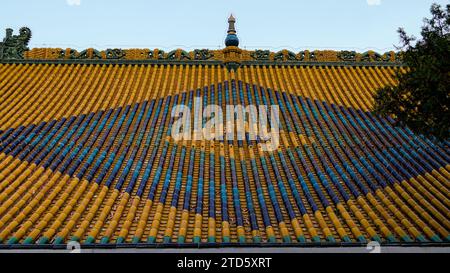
x=421 y=100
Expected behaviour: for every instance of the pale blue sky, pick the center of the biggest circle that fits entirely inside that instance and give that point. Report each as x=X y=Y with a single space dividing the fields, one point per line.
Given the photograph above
x=189 y=24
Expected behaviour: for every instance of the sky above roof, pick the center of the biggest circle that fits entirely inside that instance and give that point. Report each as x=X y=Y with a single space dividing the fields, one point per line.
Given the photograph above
x=295 y=24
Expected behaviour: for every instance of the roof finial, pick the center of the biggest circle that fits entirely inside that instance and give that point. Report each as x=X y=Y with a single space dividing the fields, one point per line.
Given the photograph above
x=231 y=22
x=232 y=39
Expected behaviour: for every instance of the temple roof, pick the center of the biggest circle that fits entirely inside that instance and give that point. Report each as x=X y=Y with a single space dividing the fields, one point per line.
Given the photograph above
x=87 y=151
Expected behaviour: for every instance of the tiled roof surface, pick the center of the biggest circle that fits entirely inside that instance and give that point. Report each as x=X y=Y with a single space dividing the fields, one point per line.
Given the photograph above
x=86 y=154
